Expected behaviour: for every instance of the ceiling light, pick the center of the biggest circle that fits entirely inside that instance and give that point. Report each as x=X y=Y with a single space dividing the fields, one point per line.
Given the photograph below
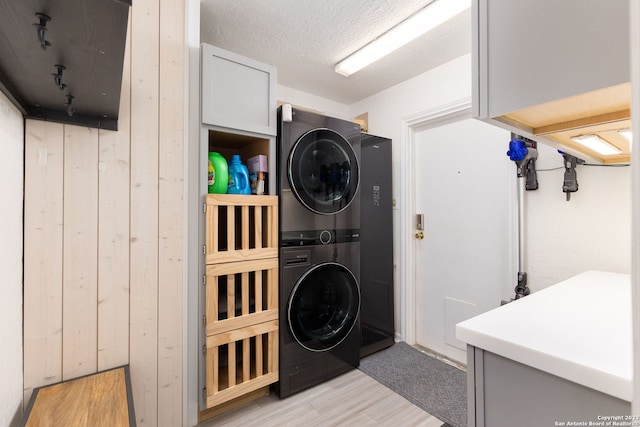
x=626 y=133
x=597 y=144
x=417 y=24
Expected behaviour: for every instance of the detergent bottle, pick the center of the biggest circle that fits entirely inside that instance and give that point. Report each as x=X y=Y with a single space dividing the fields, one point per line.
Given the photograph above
x=218 y=175
x=238 y=177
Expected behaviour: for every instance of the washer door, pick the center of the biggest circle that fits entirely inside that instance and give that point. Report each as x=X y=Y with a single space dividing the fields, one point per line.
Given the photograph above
x=323 y=171
x=323 y=307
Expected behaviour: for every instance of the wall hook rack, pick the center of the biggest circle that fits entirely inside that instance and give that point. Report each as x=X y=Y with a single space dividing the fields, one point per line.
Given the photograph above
x=69 y=105
x=57 y=77
x=42 y=30
x=75 y=36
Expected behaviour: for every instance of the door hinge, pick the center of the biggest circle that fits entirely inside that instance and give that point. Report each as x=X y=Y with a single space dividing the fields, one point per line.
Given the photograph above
x=204 y=208
x=204 y=320
x=204 y=350
x=204 y=393
x=204 y=249
x=204 y=280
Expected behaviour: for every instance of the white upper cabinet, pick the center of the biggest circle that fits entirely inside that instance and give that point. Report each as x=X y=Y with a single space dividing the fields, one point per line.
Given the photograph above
x=237 y=92
x=552 y=70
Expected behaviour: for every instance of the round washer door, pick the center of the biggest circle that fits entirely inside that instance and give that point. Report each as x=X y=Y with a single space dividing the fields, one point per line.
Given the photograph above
x=323 y=171
x=323 y=307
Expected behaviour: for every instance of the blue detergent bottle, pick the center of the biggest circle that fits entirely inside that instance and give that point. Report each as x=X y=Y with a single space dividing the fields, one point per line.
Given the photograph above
x=238 y=177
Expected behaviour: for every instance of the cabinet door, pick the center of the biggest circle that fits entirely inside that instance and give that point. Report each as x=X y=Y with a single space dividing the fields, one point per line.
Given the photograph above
x=527 y=53
x=504 y=393
x=237 y=92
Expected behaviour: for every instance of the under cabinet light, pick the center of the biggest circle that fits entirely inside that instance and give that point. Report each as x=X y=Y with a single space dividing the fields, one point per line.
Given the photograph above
x=597 y=144
x=626 y=133
x=434 y=14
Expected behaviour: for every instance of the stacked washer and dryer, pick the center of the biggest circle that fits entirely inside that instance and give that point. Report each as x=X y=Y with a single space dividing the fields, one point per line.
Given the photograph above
x=319 y=173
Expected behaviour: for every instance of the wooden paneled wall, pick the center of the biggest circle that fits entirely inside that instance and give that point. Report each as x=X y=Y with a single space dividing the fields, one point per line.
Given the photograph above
x=104 y=230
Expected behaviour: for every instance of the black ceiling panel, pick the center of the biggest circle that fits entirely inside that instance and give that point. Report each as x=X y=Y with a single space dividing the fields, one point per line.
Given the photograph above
x=86 y=37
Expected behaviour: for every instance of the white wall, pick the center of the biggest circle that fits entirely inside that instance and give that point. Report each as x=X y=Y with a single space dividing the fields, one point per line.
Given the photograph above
x=321 y=105
x=447 y=83
x=592 y=231
x=11 y=189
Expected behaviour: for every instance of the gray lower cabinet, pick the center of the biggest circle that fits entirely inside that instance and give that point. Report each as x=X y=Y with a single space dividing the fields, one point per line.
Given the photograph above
x=505 y=393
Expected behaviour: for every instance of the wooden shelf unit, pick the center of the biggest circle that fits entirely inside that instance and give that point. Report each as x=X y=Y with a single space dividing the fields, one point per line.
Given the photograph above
x=241 y=313
x=241 y=361
x=239 y=233
x=256 y=233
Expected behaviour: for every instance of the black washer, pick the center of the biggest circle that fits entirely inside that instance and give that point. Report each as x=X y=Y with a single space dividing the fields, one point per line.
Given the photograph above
x=323 y=307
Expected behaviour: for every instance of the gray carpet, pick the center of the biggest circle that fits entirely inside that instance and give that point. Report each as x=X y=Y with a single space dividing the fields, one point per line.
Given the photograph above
x=437 y=387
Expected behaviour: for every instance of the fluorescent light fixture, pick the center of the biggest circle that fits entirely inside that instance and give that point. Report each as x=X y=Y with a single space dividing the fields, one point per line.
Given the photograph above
x=626 y=133
x=597 y=144
x=434 y=14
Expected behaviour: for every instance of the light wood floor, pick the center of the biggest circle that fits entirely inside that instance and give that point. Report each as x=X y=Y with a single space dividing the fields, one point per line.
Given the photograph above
x=353 y=399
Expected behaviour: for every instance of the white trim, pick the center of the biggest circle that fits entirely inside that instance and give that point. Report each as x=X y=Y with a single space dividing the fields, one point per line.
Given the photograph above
x=634 y=14
x=190 y=407
x=455 y=110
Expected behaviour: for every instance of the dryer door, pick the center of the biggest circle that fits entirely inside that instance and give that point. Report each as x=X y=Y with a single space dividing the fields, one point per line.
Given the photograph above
x=323 y=307
x=323 y=171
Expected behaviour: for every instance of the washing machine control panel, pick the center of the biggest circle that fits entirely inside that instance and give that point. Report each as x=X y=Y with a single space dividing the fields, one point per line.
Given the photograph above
x=319 y=237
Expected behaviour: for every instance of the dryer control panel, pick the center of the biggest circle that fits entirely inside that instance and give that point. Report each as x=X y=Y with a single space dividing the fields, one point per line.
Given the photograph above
x=319 y=237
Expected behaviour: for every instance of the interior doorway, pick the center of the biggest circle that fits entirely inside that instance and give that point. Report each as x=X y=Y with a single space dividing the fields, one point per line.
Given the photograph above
x=464 y=258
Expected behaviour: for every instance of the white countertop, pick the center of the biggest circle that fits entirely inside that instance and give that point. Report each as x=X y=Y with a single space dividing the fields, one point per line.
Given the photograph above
x=579 y=329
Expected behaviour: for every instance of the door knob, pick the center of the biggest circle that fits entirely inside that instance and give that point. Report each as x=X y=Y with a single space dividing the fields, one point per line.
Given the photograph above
x=420 y=235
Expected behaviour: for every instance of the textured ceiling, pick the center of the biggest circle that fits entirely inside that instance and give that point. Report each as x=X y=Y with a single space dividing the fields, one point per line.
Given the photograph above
x=304 y=39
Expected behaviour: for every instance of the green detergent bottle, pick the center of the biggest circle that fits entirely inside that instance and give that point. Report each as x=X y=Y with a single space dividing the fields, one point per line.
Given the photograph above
x=218 y=176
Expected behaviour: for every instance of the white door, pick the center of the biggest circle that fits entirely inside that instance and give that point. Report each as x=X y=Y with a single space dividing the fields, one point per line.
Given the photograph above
x=465 y=186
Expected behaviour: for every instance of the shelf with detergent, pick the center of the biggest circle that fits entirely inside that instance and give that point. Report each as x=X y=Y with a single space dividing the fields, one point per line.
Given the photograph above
x=230 y=144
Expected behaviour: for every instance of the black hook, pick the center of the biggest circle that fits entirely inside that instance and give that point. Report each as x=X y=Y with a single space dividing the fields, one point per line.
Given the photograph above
x=42 y=29
x=57 y=77
x=69 y=106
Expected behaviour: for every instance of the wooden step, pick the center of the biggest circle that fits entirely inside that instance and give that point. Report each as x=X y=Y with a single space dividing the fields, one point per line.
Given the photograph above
x=101 y=399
